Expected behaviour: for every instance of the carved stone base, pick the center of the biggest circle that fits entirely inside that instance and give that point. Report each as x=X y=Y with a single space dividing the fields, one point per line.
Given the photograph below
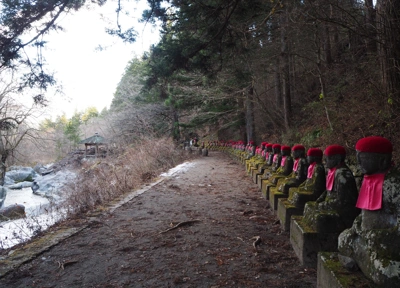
x=285 y=211
x=331 y=273
x=259 y=182
x=306 y=242
x=254 y=175
x=274 y=196
x=264 y=183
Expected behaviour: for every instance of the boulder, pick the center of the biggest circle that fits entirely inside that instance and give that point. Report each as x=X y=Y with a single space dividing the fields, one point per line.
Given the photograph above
x=15 y=211
x=22 y=174
x=20 y=185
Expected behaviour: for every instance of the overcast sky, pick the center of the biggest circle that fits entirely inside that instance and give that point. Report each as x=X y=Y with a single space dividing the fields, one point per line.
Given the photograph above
x=89 y=77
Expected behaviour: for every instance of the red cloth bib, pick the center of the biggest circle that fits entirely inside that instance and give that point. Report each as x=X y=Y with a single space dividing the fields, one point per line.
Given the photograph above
x=283 y=161
x=370 y=196
x=266 y=155
x=296 y=164
x=311 y=170
x=330 y=178
x=275 y=158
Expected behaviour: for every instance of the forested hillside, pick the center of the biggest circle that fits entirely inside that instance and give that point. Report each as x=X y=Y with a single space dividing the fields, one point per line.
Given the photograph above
x=310 y=72
x=314 y=72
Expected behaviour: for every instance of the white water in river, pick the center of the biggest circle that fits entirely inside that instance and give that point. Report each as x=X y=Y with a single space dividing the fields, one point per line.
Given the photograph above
x=39 y=218
x=33 y=203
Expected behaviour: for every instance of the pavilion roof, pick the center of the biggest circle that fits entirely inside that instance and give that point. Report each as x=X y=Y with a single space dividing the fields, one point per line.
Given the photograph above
x=95 y=139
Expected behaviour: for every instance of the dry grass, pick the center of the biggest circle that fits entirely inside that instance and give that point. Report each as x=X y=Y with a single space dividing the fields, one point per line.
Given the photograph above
x=102 y=180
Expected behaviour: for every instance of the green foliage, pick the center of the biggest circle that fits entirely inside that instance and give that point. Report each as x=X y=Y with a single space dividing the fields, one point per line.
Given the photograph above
x=90 y=112
x=48 y=124
x=130 y=88
x=309 y=139
x=31 y=20
x=71 y=129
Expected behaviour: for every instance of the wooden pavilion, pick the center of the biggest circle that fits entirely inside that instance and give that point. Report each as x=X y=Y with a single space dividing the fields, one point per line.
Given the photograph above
x=95 y=142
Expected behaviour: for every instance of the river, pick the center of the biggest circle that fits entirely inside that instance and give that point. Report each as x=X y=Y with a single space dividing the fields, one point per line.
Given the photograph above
x=39 y=213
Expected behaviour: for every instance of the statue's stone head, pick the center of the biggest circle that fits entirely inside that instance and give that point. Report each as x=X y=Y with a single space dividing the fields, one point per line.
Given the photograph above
x=268 y=147
x=285 y=150
x=276 y=148
x=334 y=156
x=314 y=155
x=263 y=144
x=298 y=151
x=374 y=154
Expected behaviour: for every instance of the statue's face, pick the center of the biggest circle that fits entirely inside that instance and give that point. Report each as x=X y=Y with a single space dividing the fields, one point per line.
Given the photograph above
x=276 y=150
x=333 y=160
x=312 y=159
x=285 y=152
x=298 y=154
x=371 y=163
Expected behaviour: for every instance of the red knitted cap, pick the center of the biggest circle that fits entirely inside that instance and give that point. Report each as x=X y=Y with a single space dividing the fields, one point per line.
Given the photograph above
x=276 y=146
x=251 y=142
x=374 y=144
x=315 y=152
x=269 y=145
x=285 y=148
x=335 y=150
x=298 y=147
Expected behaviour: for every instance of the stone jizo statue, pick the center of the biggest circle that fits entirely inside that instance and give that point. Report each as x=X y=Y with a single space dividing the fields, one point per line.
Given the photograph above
x=269 y=155
x=299 y=171
x=335 y=209
x=373 y=240
x=286 y=166
x=315 y=182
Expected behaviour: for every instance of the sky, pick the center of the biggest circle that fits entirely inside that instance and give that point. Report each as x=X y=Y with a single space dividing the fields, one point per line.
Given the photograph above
x=89 y=77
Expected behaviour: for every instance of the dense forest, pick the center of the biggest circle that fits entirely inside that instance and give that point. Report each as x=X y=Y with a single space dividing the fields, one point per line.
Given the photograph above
x=310 y=72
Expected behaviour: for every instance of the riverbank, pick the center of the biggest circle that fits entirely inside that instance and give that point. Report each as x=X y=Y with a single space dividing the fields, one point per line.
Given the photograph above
x=196 y=228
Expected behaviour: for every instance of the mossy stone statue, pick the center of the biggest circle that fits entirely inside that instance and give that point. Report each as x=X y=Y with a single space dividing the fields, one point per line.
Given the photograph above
x=373 y=240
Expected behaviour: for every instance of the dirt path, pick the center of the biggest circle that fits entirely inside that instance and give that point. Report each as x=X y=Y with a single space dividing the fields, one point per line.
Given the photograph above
x=124 y=248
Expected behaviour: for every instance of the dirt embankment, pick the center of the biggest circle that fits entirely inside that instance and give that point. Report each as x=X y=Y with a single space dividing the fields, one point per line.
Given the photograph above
x=205 y=227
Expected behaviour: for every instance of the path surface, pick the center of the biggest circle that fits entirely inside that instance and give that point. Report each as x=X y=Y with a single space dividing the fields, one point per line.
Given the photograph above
x=124 y=247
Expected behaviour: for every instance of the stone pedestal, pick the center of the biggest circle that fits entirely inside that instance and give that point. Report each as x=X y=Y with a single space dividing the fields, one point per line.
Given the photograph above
x=274 y=196
x=256 y=172
x=248 y=165
x=331 y=274
x=306 y=242
x=264 y=183
x=259 y=181
x=285 y=211
x=294 y=205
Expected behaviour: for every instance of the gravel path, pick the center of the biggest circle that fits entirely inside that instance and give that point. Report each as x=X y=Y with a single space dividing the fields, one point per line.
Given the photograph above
x=197 y=228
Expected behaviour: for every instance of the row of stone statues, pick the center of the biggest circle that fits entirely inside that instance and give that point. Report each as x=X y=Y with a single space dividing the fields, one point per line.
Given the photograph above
x=324 y=209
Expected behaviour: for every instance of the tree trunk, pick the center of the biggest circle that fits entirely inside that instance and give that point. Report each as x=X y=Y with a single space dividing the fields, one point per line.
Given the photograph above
x=3 y=167
x=242 y=118
x=327 y=45
x=388 y=12
x=250 y=126
x=287 y=109
x=335 y=36
x=370 y=24
x=278 y=87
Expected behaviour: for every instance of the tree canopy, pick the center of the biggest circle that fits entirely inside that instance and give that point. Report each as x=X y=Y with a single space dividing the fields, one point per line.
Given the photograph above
x=245 y=69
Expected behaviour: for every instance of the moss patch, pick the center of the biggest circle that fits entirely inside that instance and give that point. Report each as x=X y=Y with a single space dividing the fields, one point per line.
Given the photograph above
x=344 y=277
